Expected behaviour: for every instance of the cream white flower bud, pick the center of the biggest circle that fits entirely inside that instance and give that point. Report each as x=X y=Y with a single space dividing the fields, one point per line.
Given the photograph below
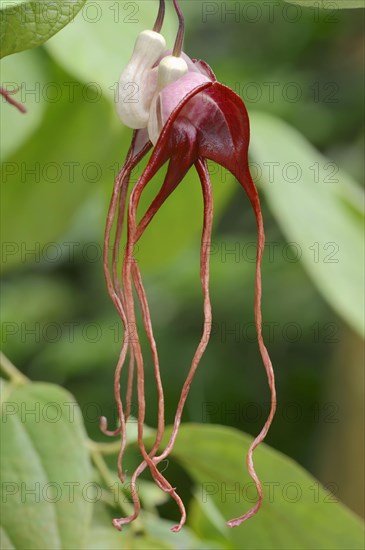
x=138 y=81
x=170 y=69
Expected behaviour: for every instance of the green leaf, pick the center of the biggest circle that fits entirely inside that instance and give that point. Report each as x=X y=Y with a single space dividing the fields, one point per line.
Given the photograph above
x=157 y=534
x=109 y=30
x=25 y=72
x=25 y=24
x=206 y=520
x=45 y=469
x=298 y=513
x=319 y=208
x=185 y=540
x=329 y=4
x=6 y=544
x=102 y=538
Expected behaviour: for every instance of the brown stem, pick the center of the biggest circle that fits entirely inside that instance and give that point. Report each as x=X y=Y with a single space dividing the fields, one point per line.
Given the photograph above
x=7 y=96
x=160 y=17
x=181 y=32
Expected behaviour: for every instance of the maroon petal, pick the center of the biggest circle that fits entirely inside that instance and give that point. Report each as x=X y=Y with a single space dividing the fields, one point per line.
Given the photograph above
x=210 y=122
x=184 y=148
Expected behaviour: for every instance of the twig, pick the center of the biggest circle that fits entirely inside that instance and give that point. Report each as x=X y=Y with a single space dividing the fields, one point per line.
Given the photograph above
x=14 y=374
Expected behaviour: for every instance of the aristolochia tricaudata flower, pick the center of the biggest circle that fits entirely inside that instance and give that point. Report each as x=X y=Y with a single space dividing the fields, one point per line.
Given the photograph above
x=187 y=117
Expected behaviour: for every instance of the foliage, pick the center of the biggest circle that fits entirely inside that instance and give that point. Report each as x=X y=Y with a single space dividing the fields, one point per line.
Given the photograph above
x=27 y=23
x=46 y=452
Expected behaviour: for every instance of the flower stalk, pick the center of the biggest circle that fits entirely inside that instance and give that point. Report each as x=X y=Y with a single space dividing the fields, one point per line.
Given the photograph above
x=181 y=32
x=160 y=17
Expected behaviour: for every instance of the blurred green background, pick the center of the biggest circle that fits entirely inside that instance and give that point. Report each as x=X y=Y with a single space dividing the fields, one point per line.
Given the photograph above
x=294 y=68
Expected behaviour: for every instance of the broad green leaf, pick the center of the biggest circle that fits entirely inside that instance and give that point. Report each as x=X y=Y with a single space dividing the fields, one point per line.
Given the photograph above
x=329 y=4
x=107 y=538
x=45 y=467
x=320 y=210
x=109 y=30
x=26 y=24
x=157 y=536
x=26 y=72
x=207 y=520
x=185 y=540
x=6 y=543
x=298 y=513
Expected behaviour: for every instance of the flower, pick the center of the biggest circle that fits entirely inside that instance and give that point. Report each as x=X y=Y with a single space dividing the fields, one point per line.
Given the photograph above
x=140 y=75
x=190 y=118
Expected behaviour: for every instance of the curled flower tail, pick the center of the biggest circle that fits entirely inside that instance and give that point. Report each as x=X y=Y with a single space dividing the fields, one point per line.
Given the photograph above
x=247 y=182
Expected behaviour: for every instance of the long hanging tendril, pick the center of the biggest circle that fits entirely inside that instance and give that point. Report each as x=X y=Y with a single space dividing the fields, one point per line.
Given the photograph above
x=124 y=303
x=124 y=279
